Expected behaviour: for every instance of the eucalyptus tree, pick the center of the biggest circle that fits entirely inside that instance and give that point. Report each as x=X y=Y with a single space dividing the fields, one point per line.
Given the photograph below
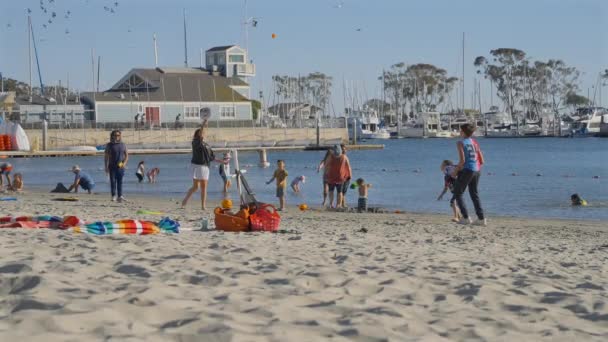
x=314 y=88
x=504 y=68
x=423 y=86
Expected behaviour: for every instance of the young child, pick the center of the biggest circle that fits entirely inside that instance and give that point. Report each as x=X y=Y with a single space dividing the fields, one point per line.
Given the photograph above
x=295 y=183
x=577 y=200
x=141 y=171
x=17 y=182
x=5 y=170
x=280 y=174
x=152 y=174
x=447 y=168
x=363 y=188
x=225 y=170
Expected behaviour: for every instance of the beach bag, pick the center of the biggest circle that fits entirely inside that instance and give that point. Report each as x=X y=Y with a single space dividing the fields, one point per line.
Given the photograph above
x=60 y=188
x=265 y=218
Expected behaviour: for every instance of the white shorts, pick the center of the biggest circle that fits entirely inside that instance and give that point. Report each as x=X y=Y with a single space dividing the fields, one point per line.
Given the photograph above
x=200 y=172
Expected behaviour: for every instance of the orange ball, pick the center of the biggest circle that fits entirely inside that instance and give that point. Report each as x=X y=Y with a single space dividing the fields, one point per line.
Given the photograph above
x=274 y=35
x=303 y=207
x=226 y=204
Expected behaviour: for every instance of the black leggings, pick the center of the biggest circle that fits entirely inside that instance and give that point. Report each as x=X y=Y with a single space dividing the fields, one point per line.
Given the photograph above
x=471 y=179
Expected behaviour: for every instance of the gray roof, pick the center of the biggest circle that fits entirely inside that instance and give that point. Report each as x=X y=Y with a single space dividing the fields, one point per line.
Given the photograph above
x=45 y=101
x=197 y=85
x=221 y=48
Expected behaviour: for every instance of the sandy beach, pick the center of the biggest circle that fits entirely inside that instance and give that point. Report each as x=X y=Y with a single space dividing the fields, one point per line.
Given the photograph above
x=409 y=277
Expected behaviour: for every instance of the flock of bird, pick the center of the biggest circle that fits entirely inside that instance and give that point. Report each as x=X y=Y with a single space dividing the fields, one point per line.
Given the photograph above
x=50 y=14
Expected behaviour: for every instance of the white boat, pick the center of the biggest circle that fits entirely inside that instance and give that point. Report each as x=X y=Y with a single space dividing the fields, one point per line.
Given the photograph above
x=367 y=125
x=427 y=125
x=588 y=121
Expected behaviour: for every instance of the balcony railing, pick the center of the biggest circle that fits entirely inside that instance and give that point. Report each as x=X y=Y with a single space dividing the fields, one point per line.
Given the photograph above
x=245 y=69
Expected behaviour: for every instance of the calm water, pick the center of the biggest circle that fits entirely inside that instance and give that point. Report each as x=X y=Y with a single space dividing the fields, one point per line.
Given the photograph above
x=405 y=175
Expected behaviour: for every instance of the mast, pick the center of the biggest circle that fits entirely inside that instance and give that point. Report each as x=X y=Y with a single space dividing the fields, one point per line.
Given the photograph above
x=463 y=73
x=246 y=24
x=185 y=42
x=29 y=50
x=93 y=70
x=155 y=51
x=37 y=60
x=98 y=69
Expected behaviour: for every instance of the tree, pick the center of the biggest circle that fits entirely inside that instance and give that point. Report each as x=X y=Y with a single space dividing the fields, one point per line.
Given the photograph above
x=505 y=70
x=19 y=87
x=575 y=100
x=314 y=88
x=256 y=106
x=424 y=86
x=555 y=79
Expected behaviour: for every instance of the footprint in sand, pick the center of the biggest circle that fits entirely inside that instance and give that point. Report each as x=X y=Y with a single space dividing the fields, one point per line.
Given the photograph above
x=15 y=268
x=23 y=284
x=133 y=270
x=31 y=304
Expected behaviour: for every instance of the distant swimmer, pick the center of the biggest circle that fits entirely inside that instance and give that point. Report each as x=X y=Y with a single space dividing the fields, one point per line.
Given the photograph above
x=577 y=200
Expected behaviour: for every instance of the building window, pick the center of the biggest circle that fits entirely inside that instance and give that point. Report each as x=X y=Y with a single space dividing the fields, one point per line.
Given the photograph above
x=236 y=58
x=227 y=112
x=191 y=112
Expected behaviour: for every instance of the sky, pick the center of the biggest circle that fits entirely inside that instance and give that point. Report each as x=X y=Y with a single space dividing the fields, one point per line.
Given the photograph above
x=350 y=40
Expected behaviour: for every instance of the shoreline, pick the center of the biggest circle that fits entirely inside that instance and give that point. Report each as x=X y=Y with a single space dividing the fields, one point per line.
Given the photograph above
x=212 y=202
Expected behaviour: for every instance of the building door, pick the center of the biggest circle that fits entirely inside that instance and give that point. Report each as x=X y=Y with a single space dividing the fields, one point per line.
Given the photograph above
x=153 y=116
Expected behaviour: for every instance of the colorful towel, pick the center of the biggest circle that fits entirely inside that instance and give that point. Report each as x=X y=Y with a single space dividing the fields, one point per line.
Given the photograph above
x=134 y=227
x=45 y=221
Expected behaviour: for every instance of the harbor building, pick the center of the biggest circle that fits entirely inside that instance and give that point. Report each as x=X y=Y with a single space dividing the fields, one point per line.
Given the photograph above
x=156 y=97
x=31 y=111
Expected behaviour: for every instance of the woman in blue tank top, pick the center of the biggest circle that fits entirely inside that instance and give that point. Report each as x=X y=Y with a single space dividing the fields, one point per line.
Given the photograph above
x=468 y=170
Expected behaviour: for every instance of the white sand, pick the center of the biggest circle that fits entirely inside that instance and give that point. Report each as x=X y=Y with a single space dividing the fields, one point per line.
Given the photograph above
x=411 y=277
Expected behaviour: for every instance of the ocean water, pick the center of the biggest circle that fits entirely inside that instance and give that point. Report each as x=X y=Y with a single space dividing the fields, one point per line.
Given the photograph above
x=522 y=177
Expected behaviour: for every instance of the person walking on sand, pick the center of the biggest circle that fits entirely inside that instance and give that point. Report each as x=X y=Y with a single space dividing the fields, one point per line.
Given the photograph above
x=339 y=172
x=116 y=158
x=468 y=173
x=202 y=156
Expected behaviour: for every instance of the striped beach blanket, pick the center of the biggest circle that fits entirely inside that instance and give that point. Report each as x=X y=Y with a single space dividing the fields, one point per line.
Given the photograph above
x=135 y=227
x=132 y=227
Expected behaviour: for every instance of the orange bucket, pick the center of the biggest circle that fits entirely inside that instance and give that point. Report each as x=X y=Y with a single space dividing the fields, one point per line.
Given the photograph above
x=229 y=222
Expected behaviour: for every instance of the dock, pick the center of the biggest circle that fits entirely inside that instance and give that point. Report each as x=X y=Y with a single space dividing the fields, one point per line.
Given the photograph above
x=44 y=154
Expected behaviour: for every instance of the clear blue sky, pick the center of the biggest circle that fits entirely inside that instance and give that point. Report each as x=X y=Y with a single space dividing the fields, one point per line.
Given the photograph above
x=313 y=35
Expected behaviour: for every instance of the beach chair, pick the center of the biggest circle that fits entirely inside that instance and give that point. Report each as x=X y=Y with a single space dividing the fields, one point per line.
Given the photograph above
x=263 y=216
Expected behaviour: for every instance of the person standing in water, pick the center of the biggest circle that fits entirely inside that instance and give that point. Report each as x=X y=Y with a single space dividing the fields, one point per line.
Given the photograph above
x=468 y=173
